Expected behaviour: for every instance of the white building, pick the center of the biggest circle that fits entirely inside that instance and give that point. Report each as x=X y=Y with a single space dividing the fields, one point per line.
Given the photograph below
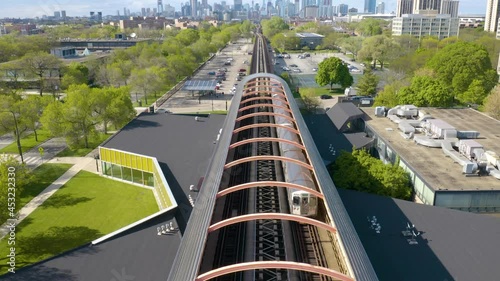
x=440 y=26
x=492 y=14
x=380 y=8
x=449 y=7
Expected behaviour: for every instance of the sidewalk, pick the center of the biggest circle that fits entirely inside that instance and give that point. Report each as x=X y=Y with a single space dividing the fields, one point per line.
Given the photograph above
x=51 y=148
x=5 y=140
x=81 y=164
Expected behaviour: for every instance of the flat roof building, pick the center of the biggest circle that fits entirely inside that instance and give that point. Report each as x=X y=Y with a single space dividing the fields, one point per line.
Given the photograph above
x=440 y=26
x=434 y=168
x=311 y=40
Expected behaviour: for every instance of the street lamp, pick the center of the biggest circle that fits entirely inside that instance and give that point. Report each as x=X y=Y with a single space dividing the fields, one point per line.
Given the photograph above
x=18 y=138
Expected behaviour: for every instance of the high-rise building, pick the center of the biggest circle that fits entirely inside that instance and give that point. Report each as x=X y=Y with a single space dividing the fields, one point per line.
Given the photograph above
x=237 y=5
x=492 y=14
x=343 y=9
x=99 y=16
x=124 y=11
x=63 y=14
x=57 y=15
x=194 y=8
x=404 y=7
x=370 y=6
x=352 y=11
x=159 y=8
x=449 y=7
x=380 y=8
x=92 y=15
x=143 y=12
x=440 y=26
x=421 y=5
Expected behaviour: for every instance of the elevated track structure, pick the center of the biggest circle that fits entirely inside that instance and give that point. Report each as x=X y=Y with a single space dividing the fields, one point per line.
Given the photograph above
x=268 y=209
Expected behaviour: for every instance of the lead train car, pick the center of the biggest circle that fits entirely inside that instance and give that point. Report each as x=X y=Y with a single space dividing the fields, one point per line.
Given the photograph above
x=301 y=203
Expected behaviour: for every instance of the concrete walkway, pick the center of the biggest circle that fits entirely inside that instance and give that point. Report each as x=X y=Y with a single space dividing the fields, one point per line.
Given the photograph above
x=5 y=140
x=81 y=163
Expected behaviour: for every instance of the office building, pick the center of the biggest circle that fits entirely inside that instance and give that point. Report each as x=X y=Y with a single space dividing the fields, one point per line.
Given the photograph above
x=492 y=14
x=381 y=8
x=343 y=9
x=57 y=15
x=63 y=14
x=143 y=12
x=238 y=4
x=424 y=5
x=370 y=6
x=440 y=26
x=404 y=7
x=449 y=7
x=159 y=9
x=194 y=8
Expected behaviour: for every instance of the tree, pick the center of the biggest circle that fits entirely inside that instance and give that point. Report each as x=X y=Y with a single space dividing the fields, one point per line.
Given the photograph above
x=273 y=26
x=40 y=64
x=113 y=105
x=74 y=74
x=459 y=64
x=367 y=84
x=388 y=96
x=492 y=103
x=75 y=119
x=333 y=71
x=331 y=40
x=378 y=48
x=187 y=36
x=310 y=101
x=426 y=91
x=360 y=171
x=370 y=27
x=31 y=110
x=14 y=178
x=352 y=44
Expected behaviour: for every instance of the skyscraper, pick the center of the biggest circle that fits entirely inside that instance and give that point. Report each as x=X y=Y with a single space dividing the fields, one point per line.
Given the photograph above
x=237 y=5
x=404 y=7
x=143 y=12
x=343 y=9
x=160 y=8
x=57 y=15
x=380 y=8
x=449 y=7
x=492 y=13
x=420 y=5
x=370 y=6
x=194 y=8
x=63 y=14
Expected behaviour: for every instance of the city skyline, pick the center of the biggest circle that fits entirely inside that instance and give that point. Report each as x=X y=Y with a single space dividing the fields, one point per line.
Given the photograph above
x=38 y=8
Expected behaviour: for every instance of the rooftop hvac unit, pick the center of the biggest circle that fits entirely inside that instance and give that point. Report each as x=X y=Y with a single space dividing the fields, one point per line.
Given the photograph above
x=470 y=148
x=440 y=129
x=379 y=111
x=406 y=128
x=492 y=158
x=467 y=134
x=407 y=111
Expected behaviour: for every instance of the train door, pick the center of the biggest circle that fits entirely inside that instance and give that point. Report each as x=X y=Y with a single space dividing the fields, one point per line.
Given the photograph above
x=304 y=208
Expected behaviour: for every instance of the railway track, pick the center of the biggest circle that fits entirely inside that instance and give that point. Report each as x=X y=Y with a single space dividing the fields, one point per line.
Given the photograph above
x=263 y=240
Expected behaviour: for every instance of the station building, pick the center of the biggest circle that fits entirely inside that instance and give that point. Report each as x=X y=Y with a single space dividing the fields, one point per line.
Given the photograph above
x=439 y=176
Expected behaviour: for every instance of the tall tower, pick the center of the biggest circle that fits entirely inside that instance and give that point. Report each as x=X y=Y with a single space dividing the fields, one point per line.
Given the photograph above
x=404 y=7
x=449 y=7
x=160 y=8
x=492 y=13
x=420 y=5
x=370 y=6
x=194 y=8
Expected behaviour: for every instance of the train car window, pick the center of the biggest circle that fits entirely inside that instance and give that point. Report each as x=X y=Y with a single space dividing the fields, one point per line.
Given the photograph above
x=304 y=199
x=296 y=200
x=312 y=201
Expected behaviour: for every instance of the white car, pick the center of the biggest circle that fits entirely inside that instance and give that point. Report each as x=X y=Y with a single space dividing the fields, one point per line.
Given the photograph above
x=315 y=69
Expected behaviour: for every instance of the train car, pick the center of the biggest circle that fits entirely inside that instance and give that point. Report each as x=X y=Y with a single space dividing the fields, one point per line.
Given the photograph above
x=301 y=202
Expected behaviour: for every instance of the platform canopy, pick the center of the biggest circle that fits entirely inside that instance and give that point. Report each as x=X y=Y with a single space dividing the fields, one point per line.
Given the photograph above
x=200 y=85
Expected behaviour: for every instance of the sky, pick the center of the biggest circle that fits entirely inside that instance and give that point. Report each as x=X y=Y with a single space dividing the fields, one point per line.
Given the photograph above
x=34 y=8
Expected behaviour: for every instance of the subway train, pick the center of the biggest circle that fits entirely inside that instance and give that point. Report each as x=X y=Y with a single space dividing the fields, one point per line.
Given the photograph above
x=301 y=203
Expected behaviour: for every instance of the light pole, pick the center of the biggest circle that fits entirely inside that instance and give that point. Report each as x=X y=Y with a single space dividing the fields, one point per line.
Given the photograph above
x=18 y=138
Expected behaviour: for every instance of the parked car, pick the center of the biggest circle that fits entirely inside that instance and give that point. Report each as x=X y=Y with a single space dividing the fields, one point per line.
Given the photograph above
x=238 y=78
x=242 y=74
x=250 y=53
x=315 y=69
x=242 y=70
x=325 y=97
x=296 y=70
x=293 y=65
x=211 y=73
x=227 y=63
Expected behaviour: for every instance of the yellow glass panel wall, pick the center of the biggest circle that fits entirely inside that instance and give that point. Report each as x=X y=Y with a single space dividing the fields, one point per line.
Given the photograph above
x=117 y=159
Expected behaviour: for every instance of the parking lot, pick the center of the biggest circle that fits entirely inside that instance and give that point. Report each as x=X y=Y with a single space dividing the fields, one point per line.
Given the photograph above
x=189 y=102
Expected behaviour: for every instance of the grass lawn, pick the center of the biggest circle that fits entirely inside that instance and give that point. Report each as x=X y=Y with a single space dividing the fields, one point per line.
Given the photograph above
x=323 y=91
x=75 y=152
x=86 y=208
x=27 y=143
x=43 y=176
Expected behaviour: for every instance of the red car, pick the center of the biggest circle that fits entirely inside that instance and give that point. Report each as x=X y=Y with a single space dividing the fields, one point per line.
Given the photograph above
x=243 y=70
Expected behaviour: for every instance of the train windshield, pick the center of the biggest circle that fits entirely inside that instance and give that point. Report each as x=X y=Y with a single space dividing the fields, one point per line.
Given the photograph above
x=296 y=200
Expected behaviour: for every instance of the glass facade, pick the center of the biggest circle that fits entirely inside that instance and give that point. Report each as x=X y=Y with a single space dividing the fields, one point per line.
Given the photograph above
x=138 y=169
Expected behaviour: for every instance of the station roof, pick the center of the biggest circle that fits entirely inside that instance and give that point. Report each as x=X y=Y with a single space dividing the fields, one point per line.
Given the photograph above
x=309 y=35
x=342 y=113
x=190 y=253
x=453 y=245
x=183 y=148
x=199 y=85
x=441 y=172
